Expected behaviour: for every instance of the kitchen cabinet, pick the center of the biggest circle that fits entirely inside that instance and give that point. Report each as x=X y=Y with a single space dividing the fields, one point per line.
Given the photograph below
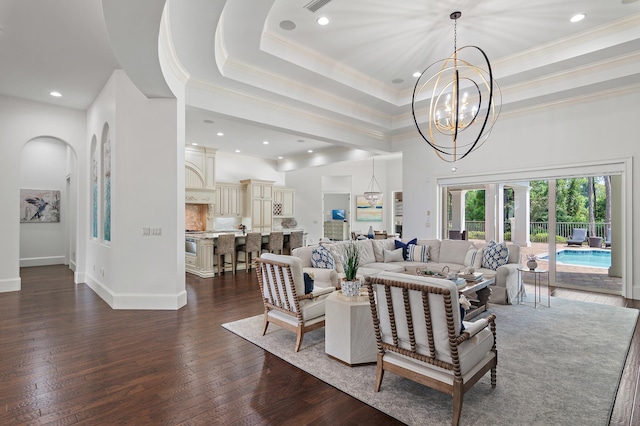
x=199 y=168
x=283 y=202
x=201 y=263
x=230 y=200
x=259 y=203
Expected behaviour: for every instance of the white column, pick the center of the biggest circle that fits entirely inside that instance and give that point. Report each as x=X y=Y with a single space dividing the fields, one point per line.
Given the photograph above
x=616 y=227
x=458 y=209
x=521 y=214
x=494 y=212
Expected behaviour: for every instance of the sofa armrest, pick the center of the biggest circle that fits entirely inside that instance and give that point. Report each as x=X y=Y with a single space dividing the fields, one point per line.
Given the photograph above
x=322 y=277
x=507 y=277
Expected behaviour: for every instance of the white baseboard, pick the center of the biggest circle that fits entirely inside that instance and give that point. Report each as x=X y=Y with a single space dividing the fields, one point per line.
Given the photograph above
x=42 y=261
x=137 y=300
x=12 y=284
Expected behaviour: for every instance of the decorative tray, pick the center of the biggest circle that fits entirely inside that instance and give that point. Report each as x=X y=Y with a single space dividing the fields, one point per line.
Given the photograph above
x=363 y=297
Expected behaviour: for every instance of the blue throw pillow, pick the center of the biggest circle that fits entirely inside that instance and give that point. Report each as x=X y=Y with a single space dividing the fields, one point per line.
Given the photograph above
x=405 y=247
x=308 y=284
x=322 y=258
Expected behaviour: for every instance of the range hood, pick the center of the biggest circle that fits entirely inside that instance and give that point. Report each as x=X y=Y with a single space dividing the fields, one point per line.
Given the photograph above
x=199 y=196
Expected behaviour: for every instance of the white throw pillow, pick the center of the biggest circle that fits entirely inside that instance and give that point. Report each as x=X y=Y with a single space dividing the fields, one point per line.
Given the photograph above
x=473 y=257
x=393 y=255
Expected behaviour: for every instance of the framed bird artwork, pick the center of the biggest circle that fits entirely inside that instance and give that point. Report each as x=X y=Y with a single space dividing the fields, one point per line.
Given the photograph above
x=39 y=206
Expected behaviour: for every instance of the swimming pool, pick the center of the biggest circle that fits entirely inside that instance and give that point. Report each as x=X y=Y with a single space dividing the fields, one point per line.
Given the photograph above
x=591 y=258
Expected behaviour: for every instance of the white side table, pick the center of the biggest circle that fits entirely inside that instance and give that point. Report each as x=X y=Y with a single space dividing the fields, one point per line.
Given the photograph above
x=348 y=329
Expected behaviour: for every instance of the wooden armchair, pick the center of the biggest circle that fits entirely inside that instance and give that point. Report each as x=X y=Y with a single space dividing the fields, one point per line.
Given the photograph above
x=417 y=326
x=285 y=302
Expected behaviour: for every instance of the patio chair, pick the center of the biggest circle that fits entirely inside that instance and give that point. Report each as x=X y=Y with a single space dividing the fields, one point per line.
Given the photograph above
x=283 y=294
x=416 y=321
x=579 y=236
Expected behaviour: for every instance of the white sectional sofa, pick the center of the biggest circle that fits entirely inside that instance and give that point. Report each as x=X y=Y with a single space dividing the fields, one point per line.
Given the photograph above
x=454 y=254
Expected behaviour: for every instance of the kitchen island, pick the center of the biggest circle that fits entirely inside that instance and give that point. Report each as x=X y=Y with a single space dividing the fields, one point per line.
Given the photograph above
x=200 y=258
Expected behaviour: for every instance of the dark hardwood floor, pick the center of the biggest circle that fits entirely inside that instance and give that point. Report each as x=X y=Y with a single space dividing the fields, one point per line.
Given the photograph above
x=67 y=358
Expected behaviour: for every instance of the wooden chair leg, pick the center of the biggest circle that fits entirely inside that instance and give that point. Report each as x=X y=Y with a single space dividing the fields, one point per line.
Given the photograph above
x=233 y=263
x=266 y=324
x=300 y=335
x=379 y=374
x=457 y=402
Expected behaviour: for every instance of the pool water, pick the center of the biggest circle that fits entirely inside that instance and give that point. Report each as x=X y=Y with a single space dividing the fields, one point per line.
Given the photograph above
x=592 y=258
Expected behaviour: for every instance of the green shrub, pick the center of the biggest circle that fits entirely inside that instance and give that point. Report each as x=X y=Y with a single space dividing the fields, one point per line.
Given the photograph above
x=476 y=235
x=507 y=236
x=543 y=237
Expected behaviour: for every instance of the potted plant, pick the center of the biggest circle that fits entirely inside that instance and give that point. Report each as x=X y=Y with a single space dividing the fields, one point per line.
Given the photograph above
x=531 y=261
x=350 y=259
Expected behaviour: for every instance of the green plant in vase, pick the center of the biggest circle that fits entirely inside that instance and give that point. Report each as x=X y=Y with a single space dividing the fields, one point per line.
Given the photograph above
x=350 y=259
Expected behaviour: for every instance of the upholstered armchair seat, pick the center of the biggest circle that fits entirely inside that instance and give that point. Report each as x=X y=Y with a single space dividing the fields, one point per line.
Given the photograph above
x=283 y=293
x=418 y=329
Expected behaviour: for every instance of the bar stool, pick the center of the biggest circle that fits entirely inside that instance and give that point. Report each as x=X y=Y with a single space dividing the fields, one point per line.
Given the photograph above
x=252 y=244
x=226 y=244
x=275 y=244
x=295 y=241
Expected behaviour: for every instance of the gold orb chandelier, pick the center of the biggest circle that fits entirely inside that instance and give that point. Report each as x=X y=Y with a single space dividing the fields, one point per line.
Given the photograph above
x=464 y=101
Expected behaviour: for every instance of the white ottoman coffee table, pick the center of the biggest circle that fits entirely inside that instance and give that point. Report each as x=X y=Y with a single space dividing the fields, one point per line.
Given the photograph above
x=348 y=329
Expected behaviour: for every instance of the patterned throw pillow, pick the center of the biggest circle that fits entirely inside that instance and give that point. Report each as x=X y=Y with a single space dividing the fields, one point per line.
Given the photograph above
x=404 y=247
x=495 y=255
x=416 y=253
x=322 y=258
x=473 y=257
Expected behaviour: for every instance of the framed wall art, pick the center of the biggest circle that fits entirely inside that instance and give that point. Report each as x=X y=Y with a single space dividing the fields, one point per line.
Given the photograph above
x=365 y=212
x=39 y=206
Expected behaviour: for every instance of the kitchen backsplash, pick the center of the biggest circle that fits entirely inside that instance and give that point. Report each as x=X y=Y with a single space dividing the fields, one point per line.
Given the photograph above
x=226 y=223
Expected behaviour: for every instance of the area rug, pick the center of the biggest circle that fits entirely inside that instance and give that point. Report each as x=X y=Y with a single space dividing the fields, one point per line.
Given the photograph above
x=556 y=366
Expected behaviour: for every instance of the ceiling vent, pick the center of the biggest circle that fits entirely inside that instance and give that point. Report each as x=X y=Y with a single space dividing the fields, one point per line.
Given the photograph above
x=314 y=5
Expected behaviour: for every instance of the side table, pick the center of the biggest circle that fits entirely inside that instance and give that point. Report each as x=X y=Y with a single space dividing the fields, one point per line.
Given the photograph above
x=537 y=286
x=348 y=329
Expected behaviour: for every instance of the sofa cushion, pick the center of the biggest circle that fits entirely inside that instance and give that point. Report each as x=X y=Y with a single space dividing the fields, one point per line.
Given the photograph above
x=366 y=251
x=393 y=255
x=416 y=253
x=454 y=251
x=322 y=258
x=434 y=249
x=405 y=246
x=379 y=246
x=495 y=255
x=378 y=266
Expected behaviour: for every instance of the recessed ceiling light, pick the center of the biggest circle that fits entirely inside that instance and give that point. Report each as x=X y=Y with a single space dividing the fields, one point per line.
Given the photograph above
x=237 y=150
x=323 y=20
x=220 y=134
x=265 y=142
x=55 y=94
x=208 y=121
x=578 y=17
x=280 y=158
x=417 y=74
x=194 y=144
x=310 y=151
x=288 y=25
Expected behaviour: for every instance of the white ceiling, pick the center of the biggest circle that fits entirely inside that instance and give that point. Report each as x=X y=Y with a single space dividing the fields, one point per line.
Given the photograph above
x=329 y=86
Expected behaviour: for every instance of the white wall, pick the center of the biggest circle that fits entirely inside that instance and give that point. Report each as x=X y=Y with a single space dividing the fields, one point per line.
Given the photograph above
x=20 y=122
x=309 y=188
x=234 y=168
x=565 y=135
x=135 y=271
x=43 y=165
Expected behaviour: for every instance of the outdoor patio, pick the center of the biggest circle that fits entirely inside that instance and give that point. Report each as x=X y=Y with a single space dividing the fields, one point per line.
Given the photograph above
x=570 y=276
